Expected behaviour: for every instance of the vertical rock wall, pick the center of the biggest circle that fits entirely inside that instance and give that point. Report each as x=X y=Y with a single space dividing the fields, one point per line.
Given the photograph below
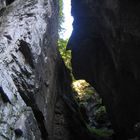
x=36 y=101
x=105 y=48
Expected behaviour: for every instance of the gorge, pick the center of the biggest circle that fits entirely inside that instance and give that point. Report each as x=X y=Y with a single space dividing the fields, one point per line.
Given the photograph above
x=36 y=98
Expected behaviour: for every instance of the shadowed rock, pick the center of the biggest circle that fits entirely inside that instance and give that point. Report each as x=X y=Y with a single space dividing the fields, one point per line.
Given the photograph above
x=105 y=51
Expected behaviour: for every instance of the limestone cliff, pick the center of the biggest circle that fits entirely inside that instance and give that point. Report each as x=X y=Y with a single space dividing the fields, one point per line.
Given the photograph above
x=36 y=100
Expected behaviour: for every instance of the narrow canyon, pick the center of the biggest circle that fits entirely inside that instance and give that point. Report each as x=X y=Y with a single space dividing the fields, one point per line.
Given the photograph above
x=37 y=101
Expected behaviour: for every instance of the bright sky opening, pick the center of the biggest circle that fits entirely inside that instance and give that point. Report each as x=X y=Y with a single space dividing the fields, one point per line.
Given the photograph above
x=68 y=19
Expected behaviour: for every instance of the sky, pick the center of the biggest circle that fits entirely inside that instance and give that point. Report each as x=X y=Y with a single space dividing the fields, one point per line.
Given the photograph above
x=68 y=19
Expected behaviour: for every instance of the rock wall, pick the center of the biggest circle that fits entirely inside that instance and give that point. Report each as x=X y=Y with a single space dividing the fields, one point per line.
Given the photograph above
x=105 y=51
x=36 y=100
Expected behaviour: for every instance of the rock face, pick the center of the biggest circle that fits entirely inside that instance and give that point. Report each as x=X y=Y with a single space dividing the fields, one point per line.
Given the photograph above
x=36 y=101
x=105 y=51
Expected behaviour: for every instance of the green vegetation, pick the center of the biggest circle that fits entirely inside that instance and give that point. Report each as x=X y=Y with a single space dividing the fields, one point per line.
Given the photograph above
x=100 y=133
x=61 y=16
x=83 y=89
x=101 y=110
x=66 y=54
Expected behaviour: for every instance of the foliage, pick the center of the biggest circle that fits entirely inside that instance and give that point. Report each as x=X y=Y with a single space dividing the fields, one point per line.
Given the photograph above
x=66 y=54
x=100 y=133
x=61 y=16
x=100 y=110
x=101 y=115
x=82 y=88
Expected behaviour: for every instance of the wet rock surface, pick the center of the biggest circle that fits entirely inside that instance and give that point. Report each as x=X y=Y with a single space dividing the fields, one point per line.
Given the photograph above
x=36 y=100
x=105 y=51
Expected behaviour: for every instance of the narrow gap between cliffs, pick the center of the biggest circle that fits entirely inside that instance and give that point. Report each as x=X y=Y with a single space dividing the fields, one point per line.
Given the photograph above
x=92 y=109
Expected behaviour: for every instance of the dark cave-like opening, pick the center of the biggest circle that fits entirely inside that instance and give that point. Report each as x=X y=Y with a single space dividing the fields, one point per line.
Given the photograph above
x=92 y=109
x=90 y=103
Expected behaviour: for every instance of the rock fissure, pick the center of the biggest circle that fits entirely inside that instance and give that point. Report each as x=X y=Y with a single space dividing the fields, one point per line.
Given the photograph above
x=36 y=98
x=24 y=48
